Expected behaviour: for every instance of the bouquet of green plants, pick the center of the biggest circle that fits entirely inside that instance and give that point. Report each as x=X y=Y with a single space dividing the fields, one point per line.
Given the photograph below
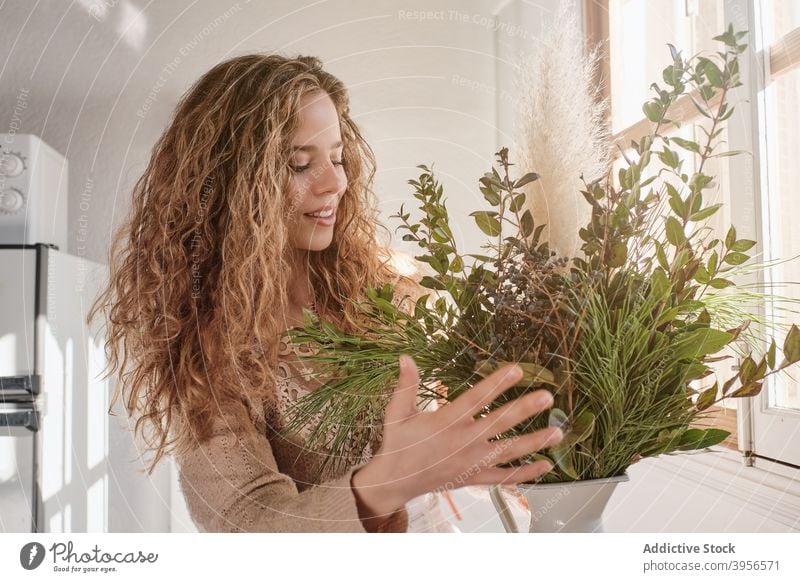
x=619 y=335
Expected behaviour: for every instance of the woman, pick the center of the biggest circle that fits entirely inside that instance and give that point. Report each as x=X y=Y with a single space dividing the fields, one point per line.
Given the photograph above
x=226 y=242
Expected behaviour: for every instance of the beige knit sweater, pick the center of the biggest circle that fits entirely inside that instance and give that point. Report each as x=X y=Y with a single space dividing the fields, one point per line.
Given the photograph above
x=251 y=479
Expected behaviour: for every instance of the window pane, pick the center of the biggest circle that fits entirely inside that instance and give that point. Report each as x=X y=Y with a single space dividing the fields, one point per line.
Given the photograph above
x=785 y=18
x=783 y=207
x=638 y=35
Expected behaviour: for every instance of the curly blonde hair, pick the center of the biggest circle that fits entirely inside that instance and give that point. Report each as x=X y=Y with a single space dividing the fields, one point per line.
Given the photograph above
x=198 y=271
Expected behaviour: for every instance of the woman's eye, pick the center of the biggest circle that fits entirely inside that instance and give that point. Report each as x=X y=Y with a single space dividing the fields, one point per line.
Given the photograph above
x=300 y=169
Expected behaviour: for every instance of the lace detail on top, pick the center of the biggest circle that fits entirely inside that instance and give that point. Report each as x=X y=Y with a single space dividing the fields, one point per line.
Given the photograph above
x=295 y=380
x=296 y=376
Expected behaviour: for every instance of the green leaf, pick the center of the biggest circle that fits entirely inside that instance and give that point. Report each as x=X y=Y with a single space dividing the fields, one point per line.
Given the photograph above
x=771 y=354
x=696 y=438
x=487 y=222
x=728 y=37
x=730 y=238
x=707 y=397
x=653 y=111
x=696 y=370
x=720 y=283
x=517 y=202
x=675 y=53
x=420 y=306
x=675 y=234
x=700 y=108
x=707 y=92
x=704 y=318
x=558 y=418
x=490 y=195
x=686 y=144
x=660 y=285
x=697 y=196
x=387 y=307
x=713 y=261
x=702 y=275
x=729 y=153
x=743 y=245
x=667 y=316
x=661 y=256
x=436 y=262
x=563 y=460
x=492 y=180
x=431 y=283
x=705 y=213
x=736 y=258
x=527 y=178
x=736 y=331
x=618 y=254
x=680 y=260
x=747 y=370
x=791 y=346
x=752 y=389
x=439 y=235
x=582 y=429
x=482 y=258
x=676 y=202
x=713 y=74
x=532 y=374
x=591 y=199
x=526 y=224
x=728 y=384
x=701 y=342
x=669 y=158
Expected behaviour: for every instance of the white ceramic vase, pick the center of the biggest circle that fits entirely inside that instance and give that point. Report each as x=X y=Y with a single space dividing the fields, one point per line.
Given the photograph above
x=571 y=507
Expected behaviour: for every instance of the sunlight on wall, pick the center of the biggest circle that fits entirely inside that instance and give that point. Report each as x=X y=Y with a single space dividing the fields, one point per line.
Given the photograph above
x=97 y=406
x=54 y=439
x=97 y=506
x=8 y=354
x=131 y=23
x=132 y=26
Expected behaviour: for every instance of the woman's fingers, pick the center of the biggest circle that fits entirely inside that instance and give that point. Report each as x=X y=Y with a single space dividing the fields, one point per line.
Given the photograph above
x=511 y=476
x=512 y=413
x=508 y=449
x=403 y=403
x=473 y=400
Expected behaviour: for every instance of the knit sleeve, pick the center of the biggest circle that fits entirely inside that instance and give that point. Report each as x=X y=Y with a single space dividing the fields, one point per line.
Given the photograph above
x=232 y=483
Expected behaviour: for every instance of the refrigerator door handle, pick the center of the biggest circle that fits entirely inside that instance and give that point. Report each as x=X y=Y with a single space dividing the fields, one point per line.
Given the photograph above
x=16 y=388
x=20 y=418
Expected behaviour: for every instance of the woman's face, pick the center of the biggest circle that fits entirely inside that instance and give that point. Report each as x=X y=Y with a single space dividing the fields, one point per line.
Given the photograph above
x=318 y=178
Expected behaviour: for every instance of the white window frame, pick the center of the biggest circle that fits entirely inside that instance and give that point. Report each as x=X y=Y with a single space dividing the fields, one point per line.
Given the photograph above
x=764 y=432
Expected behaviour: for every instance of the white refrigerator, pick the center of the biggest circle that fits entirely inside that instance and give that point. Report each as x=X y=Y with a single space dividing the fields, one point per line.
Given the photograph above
x=66 y=465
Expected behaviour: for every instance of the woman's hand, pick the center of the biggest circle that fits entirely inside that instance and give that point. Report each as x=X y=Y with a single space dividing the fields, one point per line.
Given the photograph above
x=449 y=448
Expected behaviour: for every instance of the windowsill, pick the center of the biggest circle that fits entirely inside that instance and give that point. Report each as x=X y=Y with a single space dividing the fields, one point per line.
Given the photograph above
x=768 y=489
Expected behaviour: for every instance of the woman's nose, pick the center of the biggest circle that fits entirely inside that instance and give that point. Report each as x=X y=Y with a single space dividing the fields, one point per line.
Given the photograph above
x=330 y=179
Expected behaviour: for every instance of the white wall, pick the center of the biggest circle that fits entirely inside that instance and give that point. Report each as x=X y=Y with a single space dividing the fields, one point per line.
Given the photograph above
x=98 y=81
